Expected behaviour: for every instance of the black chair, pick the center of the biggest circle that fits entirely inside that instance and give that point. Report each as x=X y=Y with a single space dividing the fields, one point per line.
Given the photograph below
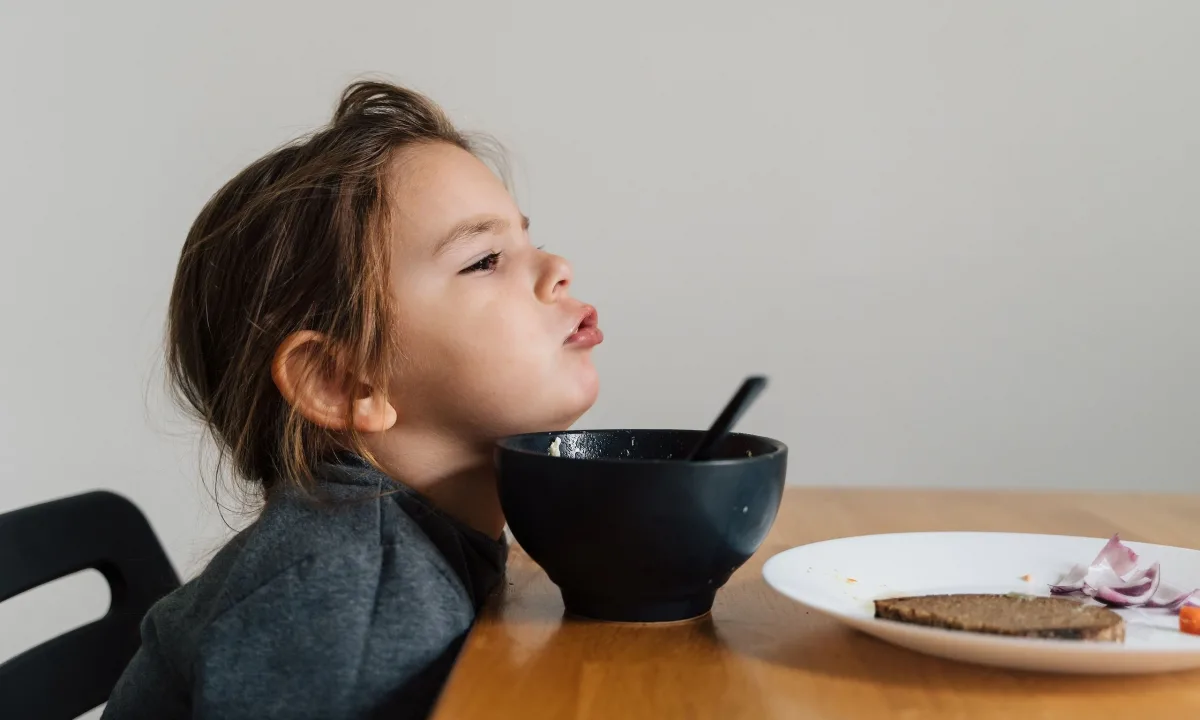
x=73 y=673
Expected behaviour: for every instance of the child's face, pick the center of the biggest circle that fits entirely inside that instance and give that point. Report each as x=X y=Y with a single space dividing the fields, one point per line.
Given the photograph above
x=491 y=340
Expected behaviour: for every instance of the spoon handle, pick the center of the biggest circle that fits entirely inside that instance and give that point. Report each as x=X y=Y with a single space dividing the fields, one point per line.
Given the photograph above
x=742 y=400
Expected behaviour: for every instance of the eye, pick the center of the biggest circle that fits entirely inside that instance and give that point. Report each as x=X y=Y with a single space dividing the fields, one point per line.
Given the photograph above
x=485 y=264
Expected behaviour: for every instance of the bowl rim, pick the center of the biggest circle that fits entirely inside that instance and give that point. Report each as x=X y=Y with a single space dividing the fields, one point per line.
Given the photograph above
x=505 y=444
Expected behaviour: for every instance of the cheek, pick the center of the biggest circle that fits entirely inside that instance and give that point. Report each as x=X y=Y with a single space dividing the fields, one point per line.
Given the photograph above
x=494 y=368
x=511 y=344
x=493 y=349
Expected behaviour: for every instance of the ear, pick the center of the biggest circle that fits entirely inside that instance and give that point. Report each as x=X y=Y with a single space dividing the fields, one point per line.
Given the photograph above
x=310 y=378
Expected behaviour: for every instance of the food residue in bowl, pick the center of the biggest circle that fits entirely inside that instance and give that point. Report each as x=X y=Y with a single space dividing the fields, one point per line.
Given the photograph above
x=555 y=446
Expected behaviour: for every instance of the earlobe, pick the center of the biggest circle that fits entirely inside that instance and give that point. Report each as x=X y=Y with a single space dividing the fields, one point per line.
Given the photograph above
x=373 y=414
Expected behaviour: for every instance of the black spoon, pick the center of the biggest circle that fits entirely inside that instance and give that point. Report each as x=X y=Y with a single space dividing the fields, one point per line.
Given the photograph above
x=745 y=395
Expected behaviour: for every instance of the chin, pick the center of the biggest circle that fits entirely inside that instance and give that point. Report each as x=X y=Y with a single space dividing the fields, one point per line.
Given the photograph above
x=589 y=390
x=568 y=408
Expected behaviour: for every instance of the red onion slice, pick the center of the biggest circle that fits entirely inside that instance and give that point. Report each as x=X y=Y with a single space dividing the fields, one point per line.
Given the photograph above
x=1112 y=598
x=1113 y=579
x=1118 y=556
x=1169 y=598
x=1094 y=579
x=1071 y=583
x=1135 y=590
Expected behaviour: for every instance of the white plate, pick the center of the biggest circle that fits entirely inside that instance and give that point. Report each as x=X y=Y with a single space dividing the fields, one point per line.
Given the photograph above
x=843 y=577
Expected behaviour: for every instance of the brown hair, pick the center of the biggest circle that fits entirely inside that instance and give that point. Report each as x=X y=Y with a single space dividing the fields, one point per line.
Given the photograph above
x=296 y=241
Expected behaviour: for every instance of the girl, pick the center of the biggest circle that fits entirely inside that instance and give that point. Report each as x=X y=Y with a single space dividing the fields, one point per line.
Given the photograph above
x=356 y=318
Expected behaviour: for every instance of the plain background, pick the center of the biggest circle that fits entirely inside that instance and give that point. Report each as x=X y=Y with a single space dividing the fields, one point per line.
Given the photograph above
x=961 y=237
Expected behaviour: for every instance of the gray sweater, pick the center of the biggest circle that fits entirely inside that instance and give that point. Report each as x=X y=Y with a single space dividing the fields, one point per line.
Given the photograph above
x=350 y=609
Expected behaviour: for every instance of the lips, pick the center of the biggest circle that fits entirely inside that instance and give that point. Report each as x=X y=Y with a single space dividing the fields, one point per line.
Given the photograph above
x=586 y=333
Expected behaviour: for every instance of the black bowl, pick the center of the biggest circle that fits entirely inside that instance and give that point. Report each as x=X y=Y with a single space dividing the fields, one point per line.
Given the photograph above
x=628 y=531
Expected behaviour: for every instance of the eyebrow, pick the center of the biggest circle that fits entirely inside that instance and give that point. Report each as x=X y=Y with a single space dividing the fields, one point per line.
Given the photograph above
x=470 y=229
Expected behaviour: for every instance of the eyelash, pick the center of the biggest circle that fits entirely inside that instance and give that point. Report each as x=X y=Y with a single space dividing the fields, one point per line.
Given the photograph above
x=488 y=263
x=485 y=264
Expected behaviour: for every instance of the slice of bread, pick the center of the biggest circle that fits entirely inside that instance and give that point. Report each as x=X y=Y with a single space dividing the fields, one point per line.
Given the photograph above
x=1016 y=615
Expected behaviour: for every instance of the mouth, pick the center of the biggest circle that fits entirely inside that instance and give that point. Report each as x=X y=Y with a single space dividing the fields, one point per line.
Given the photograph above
x=586 y=333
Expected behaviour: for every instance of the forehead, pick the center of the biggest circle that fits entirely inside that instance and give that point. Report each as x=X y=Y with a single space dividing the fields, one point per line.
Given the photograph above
x=435 y=187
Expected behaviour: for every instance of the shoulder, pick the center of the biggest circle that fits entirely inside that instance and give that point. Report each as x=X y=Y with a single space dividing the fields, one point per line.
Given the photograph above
x=356 y=528
x=336 y=630
x=303 y=561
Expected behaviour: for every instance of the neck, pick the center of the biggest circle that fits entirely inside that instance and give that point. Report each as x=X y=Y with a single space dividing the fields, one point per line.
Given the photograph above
x=458 y=478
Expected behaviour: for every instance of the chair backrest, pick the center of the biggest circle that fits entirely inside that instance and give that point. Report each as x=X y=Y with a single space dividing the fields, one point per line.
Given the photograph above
x=73 y=673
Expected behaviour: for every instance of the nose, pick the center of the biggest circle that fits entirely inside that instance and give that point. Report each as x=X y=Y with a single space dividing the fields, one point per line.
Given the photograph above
x=554 y=279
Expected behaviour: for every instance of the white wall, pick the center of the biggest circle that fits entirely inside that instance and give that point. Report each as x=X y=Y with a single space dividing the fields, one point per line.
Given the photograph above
x=962 y=238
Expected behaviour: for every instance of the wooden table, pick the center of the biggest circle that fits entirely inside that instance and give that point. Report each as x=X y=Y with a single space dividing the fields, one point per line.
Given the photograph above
x=762 y=656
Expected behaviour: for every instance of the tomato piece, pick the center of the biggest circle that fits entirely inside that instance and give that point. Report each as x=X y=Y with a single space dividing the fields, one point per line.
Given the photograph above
x=1189 y=620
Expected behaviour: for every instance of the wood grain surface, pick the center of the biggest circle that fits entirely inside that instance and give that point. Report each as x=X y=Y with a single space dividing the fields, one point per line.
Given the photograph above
x=760 y=655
